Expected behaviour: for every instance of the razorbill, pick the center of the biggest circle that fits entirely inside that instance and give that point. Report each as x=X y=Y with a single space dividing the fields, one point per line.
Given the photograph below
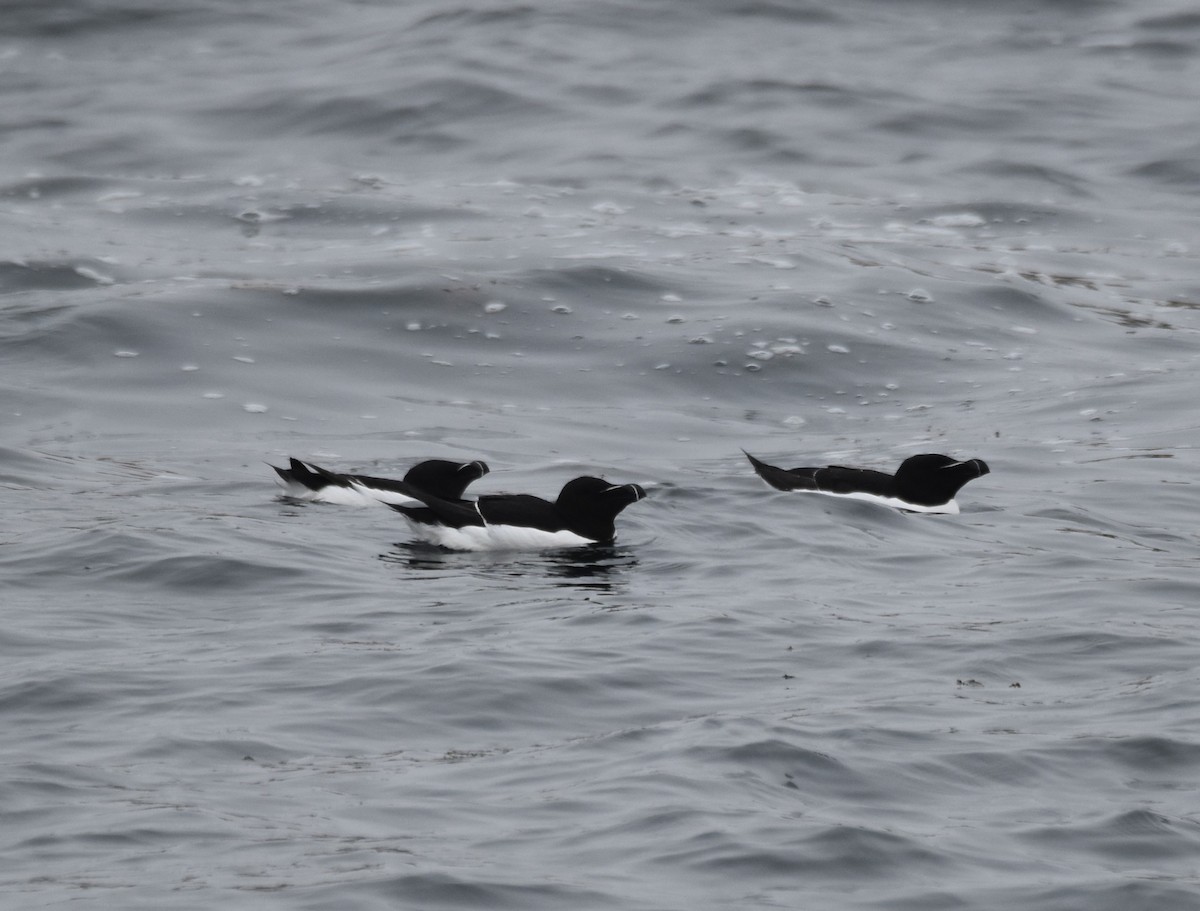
x=583 y=514
x=440 y=477
x=923 y=483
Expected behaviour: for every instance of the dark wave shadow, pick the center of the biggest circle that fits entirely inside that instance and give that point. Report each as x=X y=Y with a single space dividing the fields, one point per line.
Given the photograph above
x=593 y=568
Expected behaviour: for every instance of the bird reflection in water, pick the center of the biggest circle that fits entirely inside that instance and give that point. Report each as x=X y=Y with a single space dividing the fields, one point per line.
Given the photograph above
x=595 y=568
x=598 y=567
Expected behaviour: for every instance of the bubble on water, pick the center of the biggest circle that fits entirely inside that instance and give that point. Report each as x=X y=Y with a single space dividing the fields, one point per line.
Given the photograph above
x=494 y=306
x=958 y=220
x=95 y=275
x=261 y=216
x=254 y=408
x=837 y=349
x=242 y=359
x=775 y=262
x=124 y=353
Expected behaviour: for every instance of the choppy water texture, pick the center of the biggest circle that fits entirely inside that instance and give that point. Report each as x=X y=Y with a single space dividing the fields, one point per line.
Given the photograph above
x=626 y=239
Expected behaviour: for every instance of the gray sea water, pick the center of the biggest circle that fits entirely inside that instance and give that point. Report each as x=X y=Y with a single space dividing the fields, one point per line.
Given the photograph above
x=615 y=238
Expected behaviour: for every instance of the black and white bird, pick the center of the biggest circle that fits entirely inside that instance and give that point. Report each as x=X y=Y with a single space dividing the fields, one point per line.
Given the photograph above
x=584 y=513
x=439 y=477
x=923 y=483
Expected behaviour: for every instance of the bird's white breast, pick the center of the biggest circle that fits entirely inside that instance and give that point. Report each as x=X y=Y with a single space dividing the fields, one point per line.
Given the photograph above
x=356 y=495
x=496 y=537
x=946 y=509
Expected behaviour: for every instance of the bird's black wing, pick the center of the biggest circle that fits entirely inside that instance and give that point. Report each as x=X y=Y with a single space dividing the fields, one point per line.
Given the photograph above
x=782 y=478
x=840 y=479
x=523 y=510
x=436 y=511
x=830 y=479
x=314 y=477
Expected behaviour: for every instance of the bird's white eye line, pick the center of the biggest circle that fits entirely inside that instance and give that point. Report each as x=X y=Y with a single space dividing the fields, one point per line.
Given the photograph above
x=632 y=487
